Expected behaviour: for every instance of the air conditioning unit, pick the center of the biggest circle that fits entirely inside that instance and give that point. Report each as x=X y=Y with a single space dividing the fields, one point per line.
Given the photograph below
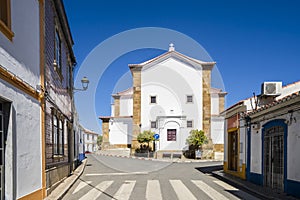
x=271 y=88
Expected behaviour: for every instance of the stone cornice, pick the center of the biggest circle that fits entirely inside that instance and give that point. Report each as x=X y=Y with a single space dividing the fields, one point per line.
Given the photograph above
x=208 y=66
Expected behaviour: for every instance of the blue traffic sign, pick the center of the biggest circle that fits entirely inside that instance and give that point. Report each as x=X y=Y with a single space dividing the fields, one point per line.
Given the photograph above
x=156 y=136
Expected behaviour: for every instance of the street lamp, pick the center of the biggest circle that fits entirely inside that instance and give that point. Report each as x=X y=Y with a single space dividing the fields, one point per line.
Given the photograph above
x=85 y=84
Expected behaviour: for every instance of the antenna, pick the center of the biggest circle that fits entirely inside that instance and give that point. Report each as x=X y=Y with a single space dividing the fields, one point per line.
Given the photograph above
x=255 y=101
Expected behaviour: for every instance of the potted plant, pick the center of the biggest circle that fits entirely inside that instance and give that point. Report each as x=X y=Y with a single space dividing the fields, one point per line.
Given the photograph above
x=196 y=139
x=145 y=137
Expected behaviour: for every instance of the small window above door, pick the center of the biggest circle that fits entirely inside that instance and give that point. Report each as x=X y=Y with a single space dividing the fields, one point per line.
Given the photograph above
x=189 y=99
x=153 y=99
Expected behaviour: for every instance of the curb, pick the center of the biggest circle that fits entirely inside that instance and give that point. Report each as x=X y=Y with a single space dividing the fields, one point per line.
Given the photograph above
x=177 y=160
x=66 y=184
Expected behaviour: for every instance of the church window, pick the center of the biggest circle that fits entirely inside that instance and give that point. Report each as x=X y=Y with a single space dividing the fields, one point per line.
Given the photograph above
x=189 y=98
x=153 y=124
x=189 y=124
x=153 y=99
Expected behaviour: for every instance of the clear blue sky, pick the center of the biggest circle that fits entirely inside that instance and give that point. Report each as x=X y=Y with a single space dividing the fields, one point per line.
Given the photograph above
x=251 y=41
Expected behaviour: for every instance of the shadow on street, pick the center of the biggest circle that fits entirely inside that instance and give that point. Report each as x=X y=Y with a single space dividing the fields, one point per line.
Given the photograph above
x=209 y=169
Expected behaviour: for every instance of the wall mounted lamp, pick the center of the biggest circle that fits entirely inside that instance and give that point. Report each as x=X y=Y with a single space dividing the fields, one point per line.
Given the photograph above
x=85 y=84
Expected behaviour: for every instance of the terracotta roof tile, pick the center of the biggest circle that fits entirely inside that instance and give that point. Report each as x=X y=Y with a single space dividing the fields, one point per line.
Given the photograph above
x=274 y=103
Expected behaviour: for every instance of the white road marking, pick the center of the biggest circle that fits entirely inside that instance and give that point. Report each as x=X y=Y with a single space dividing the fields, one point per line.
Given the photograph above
x=153 y=191
x=81 y=185
x=212 y=193
x=117 y=174
x=97 y=191
x=182 y=192
x=125 y=190
x=226 y=186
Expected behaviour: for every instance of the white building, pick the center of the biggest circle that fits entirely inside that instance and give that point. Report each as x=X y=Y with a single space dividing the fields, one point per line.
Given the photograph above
x=21 y=165
x=90 y=140
x=78 y=138
x=171 y=95
x=262 y=138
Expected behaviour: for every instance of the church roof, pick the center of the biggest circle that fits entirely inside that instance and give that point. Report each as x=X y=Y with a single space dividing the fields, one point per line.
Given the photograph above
x=172 y=53
x=126 y=92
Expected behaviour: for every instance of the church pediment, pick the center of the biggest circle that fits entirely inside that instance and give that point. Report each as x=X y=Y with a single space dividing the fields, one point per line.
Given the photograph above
x=172 y=54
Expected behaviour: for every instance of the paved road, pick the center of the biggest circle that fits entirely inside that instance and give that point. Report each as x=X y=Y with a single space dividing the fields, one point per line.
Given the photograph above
x=124 y=178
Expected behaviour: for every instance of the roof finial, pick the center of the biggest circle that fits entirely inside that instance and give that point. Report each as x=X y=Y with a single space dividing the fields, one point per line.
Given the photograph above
x=171 y=47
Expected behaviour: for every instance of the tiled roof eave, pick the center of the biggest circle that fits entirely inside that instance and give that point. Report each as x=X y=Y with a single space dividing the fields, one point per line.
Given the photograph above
x=282 y=103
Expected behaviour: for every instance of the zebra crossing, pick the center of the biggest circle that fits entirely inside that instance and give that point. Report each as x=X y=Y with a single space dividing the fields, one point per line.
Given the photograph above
x=154 y=190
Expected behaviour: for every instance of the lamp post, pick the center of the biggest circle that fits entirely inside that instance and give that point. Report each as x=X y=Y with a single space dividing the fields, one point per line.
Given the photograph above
x=85 y=84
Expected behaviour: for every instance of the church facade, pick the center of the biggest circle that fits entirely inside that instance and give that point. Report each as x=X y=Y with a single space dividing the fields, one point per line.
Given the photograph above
x=171 y=95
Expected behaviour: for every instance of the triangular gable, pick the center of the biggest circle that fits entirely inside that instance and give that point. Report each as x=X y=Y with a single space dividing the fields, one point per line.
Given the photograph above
x=197 y=64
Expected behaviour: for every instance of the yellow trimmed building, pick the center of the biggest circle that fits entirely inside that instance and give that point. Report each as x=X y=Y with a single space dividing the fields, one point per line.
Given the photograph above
x=36 y=98
x=245 y=124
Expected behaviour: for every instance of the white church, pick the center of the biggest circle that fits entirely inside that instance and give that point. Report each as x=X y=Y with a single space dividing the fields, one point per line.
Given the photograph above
x=171 y=95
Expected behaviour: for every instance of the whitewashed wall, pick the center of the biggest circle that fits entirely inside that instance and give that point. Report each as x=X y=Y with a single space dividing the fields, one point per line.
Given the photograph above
x=181 y=135
x=243 y=142
x=126 y=105
x=289 y=89
x=293 y=144
x=21 y=57
x=171 y=81
x=214 y=104
x=120 y=131
x=293 y=147
x=23 y=147
x=217 y=130
x=256 y=146
x=90 y=142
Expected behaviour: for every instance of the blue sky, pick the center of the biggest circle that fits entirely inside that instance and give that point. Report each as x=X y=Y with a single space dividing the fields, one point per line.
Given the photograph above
x=251 y=41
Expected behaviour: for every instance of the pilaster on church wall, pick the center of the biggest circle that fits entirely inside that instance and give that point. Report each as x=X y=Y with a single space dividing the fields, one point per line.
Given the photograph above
x=116 y=105
x=105 y=133
x=136 y=74
x=221 y=102
x=206 y=85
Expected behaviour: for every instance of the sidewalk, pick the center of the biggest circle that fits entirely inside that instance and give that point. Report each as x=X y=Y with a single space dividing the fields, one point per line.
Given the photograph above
x=167 y=159
x=262 y=192
x=67 y=183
